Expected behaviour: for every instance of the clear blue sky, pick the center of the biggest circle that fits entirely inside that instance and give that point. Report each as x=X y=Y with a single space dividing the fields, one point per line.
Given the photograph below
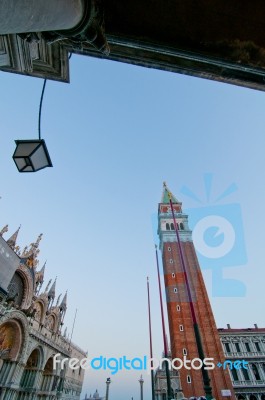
x=114 y=135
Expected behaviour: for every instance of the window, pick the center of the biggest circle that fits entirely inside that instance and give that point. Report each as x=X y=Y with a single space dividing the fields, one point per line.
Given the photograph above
x=169 y=248
x=188 y=379
x=234 y=374
x=178 y=309
x=227 y=347
x=257 y=346
x=263 y=366
x=184 y=352
x=172 y=226
x=181 y=328
x=171 y=261
x=175 y=290
x=256 y=372
x=237 y=347
x=245 y=373
x=247 y=346
x=167 y=227
x=173 y=275
x=181 y=226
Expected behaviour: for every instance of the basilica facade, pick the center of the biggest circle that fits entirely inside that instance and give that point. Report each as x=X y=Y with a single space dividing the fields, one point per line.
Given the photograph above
x=31 y=322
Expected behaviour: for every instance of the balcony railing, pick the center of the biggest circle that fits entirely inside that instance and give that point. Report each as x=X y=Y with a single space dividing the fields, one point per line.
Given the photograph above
x=244 y=354
x=249 y=383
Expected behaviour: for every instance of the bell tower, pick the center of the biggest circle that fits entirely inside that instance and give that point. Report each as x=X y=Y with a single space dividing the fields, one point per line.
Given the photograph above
x=191 y=322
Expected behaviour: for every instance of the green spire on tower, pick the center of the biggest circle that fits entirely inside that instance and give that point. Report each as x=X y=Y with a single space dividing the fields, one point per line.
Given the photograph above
x=167 y=195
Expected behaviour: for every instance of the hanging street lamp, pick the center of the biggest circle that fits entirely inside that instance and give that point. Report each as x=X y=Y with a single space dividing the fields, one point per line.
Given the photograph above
x=32 y=155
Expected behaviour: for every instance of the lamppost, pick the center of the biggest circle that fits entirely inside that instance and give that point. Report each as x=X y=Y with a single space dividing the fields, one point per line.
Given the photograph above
x=108 y=382
x=141 y=381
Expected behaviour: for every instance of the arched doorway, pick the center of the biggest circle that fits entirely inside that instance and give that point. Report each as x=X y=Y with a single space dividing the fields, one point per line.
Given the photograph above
x=253 y=397
x=30 y=372
x=241 y=397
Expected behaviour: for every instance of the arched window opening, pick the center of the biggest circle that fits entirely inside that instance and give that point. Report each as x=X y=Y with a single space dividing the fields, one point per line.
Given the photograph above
x=10 y=340
x=245 y=373
x=256 y=372
x=234 y=374
x=16 y=290
x=38 y=314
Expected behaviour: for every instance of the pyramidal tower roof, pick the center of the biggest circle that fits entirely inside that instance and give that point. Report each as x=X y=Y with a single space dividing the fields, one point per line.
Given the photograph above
x=166 y=195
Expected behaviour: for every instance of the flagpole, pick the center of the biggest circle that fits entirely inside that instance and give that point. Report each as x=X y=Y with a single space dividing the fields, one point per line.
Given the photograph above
x=169 y=390
x=151 y=344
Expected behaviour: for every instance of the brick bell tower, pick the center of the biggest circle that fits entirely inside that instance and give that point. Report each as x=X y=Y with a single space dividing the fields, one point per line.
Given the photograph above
x=181 y=313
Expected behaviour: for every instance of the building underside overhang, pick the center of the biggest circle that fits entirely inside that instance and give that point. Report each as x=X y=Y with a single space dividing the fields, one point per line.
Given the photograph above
x=223 y=41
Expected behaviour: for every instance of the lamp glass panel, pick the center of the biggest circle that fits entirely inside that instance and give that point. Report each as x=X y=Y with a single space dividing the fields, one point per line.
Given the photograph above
x=28 y=169
x=20 y=162
x=25 y=149
x=39 y=158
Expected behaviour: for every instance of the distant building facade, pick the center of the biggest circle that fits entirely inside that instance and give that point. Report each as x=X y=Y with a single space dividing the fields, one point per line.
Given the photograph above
x=95 y=396
x=247 y=344
x=160 y=382
x=30 y=331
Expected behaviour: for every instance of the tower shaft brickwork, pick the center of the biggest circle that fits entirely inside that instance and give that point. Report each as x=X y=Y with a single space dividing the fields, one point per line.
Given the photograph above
x=181 y=325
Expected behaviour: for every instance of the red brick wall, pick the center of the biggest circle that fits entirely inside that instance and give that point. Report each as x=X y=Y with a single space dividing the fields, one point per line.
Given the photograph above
x=220 y=379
